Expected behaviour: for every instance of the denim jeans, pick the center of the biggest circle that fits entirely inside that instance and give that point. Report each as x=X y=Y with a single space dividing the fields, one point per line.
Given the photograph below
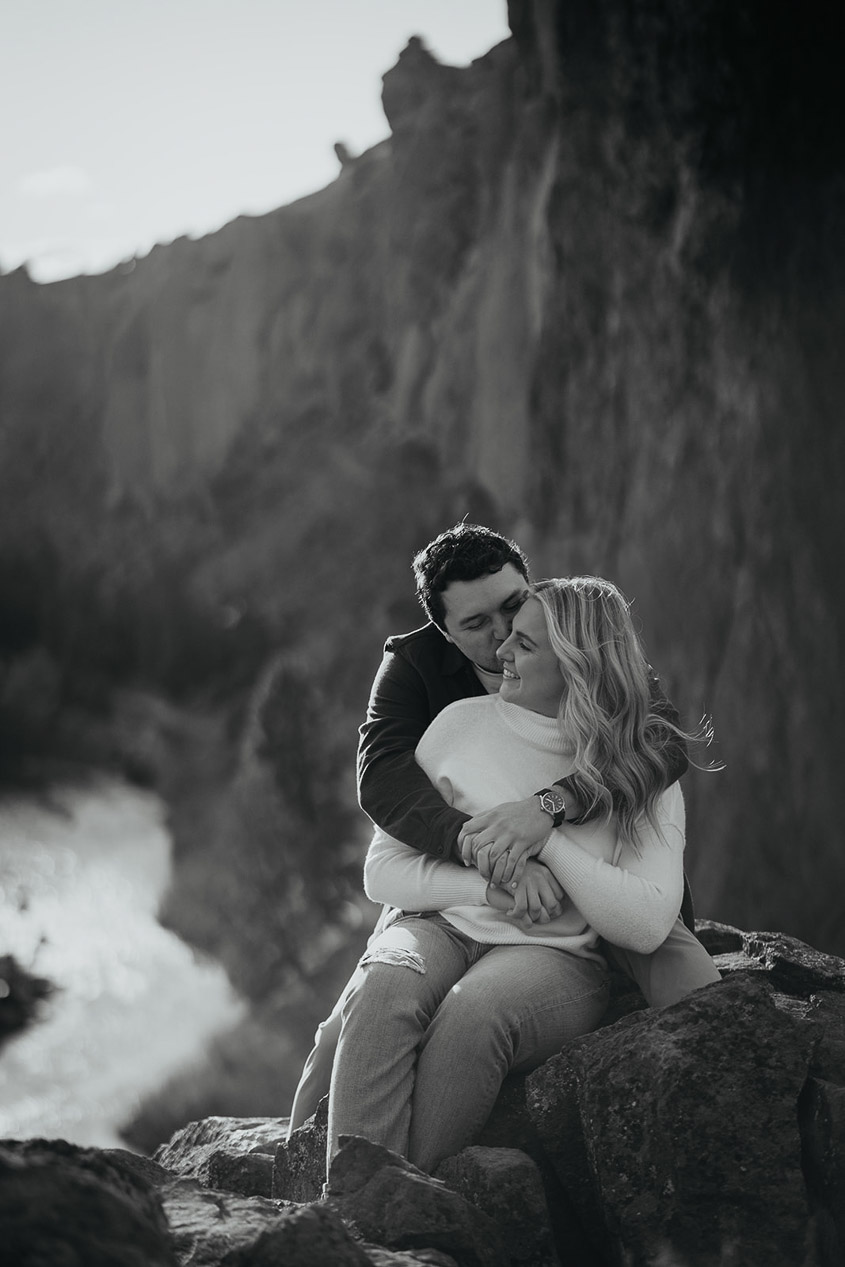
x=433 y=1021
x=680 y=965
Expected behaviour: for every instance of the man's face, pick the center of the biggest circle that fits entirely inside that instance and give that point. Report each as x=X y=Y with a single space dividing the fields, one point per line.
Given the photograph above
x=479 y=613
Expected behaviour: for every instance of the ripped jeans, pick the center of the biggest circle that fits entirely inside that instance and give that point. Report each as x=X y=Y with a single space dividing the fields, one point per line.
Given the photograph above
x=433 y=1021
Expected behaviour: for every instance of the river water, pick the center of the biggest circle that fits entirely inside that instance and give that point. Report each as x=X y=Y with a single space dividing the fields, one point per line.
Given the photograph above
x=80 y=883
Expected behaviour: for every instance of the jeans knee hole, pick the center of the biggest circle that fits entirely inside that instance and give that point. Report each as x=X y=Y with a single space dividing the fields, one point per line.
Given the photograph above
x=395 y=957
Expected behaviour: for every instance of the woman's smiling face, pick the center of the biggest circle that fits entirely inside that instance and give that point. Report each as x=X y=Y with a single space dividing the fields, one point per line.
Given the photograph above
x=532 y=676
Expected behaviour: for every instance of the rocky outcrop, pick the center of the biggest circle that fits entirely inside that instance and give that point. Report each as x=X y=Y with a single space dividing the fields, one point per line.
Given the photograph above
x=704 y=1134
x=694 y=1147
x=59 y=1203
x=21 y=994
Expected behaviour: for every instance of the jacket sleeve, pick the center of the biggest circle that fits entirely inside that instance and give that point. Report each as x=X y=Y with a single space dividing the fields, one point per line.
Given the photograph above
x=632 y=901
x=392 y=789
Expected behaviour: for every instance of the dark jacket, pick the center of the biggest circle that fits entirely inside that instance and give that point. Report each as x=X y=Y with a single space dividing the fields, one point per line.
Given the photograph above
x=420 y=674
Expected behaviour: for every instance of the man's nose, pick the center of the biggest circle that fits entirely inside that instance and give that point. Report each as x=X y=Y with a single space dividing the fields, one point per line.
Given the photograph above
x=501 y=628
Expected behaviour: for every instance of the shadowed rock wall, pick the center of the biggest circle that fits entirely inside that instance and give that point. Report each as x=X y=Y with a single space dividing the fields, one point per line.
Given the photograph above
x=589 y=291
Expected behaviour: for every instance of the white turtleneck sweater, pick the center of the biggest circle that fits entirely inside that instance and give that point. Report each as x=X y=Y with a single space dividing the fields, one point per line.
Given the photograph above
x=483 y=751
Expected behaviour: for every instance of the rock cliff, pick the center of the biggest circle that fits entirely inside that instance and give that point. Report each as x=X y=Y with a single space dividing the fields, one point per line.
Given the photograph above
x=700 y=1135
x=590 y=290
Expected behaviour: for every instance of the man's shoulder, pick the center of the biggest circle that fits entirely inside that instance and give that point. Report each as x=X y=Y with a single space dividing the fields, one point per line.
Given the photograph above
x=427 y=638
x=428 y=650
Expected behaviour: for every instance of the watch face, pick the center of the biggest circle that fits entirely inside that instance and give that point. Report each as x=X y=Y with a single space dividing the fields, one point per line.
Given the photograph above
x=552 y=802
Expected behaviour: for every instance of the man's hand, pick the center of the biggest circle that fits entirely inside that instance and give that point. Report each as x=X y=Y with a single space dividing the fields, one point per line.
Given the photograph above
x=537 y=899
x=500 y=841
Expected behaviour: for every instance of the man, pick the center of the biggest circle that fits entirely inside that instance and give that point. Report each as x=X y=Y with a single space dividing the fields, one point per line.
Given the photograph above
x=471 y=582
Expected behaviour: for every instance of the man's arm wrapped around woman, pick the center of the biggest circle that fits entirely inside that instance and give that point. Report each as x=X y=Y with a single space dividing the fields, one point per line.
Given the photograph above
x=628 y=892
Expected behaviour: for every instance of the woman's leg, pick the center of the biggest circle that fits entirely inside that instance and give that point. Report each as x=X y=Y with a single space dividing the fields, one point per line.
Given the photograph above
x=680 y=965
x=516 y=1007
x=401 y=980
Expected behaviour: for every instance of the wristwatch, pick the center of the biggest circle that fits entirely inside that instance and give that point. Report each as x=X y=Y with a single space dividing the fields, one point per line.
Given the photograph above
x=553 y=803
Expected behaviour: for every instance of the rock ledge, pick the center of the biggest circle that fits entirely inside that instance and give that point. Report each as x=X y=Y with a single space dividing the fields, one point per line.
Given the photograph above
x=707 y=1133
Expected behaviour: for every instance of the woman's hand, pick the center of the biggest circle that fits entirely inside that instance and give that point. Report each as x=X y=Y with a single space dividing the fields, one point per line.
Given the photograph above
x=537 y=899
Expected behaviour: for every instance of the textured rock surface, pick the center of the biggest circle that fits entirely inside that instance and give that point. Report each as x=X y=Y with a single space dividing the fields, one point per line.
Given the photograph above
x=206 y=1225
x=234 y=1155
x=62 y=1204
x=507 y=1185
x=705 y=1134
x=391 y=1202
x=687 y=1128
x=302 y=1238
x=823 y=1134
x=299 y=1170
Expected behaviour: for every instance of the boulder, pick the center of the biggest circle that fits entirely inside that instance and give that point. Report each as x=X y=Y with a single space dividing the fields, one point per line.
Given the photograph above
x=391 y=1202
x=299 y=1168
x=510 y=1126
x=206 y=1225
x=231 y=1154
x=827 y=1013
x=677 y=1133
x=209 y=1228
x=62 y=1204
x=303 y=1237
x=793 y=966
x=507 y=1186
x=823 y=1138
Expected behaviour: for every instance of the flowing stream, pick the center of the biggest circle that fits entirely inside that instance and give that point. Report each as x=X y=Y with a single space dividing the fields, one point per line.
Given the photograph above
x=80 y=883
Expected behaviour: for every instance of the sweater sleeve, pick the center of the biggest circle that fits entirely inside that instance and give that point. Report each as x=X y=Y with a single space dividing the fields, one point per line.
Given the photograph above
x=632 y=901
x=400 y=876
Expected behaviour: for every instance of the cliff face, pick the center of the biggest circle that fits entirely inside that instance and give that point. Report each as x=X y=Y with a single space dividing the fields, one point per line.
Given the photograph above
x=589 y=291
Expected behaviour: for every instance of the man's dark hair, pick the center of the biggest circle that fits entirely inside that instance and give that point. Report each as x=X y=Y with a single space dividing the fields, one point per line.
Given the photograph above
x=462 y=553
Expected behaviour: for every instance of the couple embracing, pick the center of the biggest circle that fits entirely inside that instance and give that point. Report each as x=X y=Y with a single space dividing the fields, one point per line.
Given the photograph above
x=521 y=767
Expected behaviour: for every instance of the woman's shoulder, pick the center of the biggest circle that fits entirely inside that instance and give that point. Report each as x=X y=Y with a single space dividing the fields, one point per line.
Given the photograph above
x=464 y=712
x=462 y=717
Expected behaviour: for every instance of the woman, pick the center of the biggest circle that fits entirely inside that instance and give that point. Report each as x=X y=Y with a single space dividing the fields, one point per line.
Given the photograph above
x=446 y=1003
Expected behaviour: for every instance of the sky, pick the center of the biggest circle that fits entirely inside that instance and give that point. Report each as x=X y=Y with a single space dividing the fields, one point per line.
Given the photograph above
x=132 y=122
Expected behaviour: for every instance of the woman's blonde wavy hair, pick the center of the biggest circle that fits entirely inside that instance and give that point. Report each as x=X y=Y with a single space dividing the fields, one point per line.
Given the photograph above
x=619 y=743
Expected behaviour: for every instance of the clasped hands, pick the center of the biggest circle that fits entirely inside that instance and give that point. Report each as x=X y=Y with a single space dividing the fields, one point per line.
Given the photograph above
x=503 y=844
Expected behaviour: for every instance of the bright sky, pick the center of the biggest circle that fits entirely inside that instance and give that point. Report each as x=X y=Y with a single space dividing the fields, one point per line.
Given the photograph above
x=130 y=122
